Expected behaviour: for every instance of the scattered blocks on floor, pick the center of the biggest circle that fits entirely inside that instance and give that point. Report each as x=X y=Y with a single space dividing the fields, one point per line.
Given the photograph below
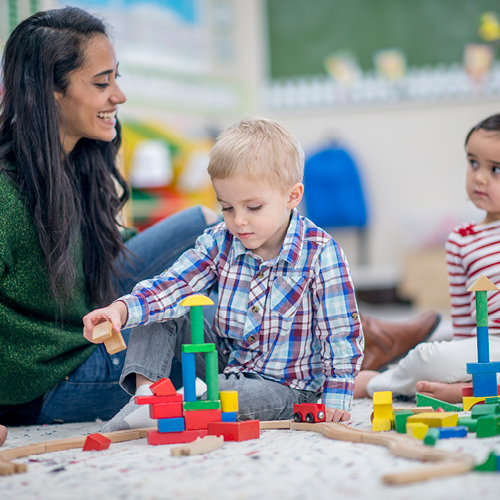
x=432 y=436
x=435 y=403
x=381 y=424
x=96 y=442
x=470 y=401
x=417 y=429
x=400 y=418
x=485 y=409
x=382 y=405
x=490 y=464
x=469 y=422
x=435 y=419
x=453 y=432
x=488 y=426
x=235 y=431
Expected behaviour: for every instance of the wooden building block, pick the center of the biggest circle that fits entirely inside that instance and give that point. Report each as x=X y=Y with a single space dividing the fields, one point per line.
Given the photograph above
x=212 y=374
x=488 y=426
x=228 y=416
x=154 y=400
x=469 y=422
x=163 y=387
x=96 y=442
x=155 y=438
x=228 y=401
x=198 y=347
x=489 y=465
x=189 y=376
x=416 y=429
x=166 y=410
x=435 y=419
x=467 y=391
x=459 y=431
x=484 y=384
x=102 y=331
x=235 y=431
x=470 y=401
x=382 y=405
x=400 y=418
x=202 y=404
x=431 y=436
x=199 y=419
x=381 y=424
x=485 y=409
x=171 y=424
x=435 y=403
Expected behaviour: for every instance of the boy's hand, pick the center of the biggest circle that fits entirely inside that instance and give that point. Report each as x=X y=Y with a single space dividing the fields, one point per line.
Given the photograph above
x=336 y=415
x=116 y=313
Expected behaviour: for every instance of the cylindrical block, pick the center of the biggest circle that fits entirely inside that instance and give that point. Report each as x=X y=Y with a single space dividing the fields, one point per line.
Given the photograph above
x=189 y=376
x=483 y=346
x=228 y=401
x=212 y=373
x=197 y=336
x=481 y=308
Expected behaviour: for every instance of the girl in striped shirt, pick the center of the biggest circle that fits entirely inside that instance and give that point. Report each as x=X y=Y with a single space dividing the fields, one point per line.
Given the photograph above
x=438 y=369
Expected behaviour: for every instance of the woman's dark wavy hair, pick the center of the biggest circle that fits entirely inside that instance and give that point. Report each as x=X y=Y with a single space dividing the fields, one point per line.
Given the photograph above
x=72 y=198
x=490 y=124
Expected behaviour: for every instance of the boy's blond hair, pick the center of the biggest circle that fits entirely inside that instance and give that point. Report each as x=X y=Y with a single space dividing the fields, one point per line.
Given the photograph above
x=260 y=148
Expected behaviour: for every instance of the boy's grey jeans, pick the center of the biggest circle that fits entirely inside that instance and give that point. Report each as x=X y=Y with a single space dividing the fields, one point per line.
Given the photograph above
x=151 y=350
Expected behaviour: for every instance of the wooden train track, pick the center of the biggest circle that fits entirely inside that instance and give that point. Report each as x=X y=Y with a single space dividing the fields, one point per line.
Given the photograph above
x=444 y=463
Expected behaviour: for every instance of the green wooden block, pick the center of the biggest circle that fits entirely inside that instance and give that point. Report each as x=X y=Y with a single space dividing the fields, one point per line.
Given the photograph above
x=495 y=400
x=196 y=315
x=469 y=422
x=400 y=420
x=198 y=347
x=486 y=409
x=212 y=375
x=481 y=308
x=488 y=426
x=435 y=403
x=432 y=436
x=489 y=465
x=202 y=404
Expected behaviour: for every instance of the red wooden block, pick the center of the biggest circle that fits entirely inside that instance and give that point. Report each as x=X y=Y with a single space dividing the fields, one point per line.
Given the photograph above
x=96 y=442
x=467 y=391
x=152 y=400
x=235 y=431
x=155 y=437
x=199 y=419
x=166 y=410
x=440 y=410
x=163 y=387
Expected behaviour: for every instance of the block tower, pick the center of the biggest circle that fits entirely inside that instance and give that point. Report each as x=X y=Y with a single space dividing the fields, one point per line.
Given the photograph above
x=484 y=372
x=181 y=420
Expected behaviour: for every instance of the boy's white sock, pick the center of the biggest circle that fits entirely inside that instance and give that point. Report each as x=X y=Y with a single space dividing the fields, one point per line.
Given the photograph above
x=132 y=416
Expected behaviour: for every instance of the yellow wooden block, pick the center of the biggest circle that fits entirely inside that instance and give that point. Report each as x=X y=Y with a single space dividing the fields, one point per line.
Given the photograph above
x=416 y=429
x=228 y=401
x=196 y=300
x=435 y=419
x=381 y=424
x=470 y=401
x=382 y=398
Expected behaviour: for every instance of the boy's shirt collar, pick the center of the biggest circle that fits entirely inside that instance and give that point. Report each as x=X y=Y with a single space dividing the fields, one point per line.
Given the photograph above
x=290 y=249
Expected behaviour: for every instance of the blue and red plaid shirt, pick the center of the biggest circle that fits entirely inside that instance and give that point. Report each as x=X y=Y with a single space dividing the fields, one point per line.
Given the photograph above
x=292 y=319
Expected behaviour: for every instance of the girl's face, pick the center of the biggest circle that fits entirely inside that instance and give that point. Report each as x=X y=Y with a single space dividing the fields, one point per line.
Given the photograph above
x=483 y=173
x=88 y=106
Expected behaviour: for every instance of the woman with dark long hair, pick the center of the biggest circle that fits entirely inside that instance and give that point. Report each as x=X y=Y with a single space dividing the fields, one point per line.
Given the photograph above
x=61 y=249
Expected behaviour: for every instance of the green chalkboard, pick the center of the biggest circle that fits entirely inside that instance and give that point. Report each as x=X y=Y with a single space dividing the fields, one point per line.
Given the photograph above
x=303 y=32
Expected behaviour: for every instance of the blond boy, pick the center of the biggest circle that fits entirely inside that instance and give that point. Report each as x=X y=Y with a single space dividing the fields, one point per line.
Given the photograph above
x=286 y=326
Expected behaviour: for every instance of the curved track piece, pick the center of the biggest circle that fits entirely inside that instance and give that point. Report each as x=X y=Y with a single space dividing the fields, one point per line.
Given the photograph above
x=446 y=463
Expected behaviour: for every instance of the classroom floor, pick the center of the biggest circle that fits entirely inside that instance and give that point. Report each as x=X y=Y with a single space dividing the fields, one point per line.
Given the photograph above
x=282 y=464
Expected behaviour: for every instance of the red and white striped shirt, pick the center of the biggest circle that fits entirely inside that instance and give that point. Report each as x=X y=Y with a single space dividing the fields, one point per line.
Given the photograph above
x=472 y=250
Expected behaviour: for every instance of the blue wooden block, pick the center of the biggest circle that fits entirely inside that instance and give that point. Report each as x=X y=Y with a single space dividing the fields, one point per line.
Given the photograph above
x=483 y=346
x=491 y=367
x=229 y=416
x=171 y=424
x=452 y=432
x=484 y=384
x=189 y=376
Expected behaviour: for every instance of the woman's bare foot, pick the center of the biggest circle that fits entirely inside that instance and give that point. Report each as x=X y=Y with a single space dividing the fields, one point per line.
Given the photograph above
x=451 y=393
x=3 y=434
x=361 y=381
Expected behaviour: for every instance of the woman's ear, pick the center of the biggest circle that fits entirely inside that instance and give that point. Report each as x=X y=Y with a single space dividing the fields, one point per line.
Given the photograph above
x=296 y=194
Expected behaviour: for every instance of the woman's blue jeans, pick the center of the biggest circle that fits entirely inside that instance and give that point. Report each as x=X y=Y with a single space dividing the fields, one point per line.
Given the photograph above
x=93 y=391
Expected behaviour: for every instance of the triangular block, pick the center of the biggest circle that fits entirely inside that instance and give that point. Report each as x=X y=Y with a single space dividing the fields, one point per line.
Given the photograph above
x=482 y=284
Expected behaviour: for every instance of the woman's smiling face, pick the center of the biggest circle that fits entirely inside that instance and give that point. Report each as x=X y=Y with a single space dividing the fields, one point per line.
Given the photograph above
x=88 y=106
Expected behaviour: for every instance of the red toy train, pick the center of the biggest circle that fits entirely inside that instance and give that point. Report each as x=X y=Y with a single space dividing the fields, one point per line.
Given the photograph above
x=309 y=412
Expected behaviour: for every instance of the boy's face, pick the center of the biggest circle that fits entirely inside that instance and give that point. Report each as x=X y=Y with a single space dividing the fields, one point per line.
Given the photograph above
x=483 y=173
x=256 y=212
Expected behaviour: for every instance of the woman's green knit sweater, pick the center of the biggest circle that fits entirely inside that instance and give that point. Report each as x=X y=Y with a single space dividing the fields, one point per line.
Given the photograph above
x=37 y=350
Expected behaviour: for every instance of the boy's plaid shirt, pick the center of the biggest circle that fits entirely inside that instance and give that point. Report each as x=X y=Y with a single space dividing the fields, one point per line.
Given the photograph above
x=293 y=319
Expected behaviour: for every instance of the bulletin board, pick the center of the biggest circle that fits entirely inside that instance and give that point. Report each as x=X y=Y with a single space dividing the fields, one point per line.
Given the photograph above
x=430 y=32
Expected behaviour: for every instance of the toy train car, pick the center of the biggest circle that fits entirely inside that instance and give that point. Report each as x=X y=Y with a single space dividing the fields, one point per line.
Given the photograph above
x=309 y=412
